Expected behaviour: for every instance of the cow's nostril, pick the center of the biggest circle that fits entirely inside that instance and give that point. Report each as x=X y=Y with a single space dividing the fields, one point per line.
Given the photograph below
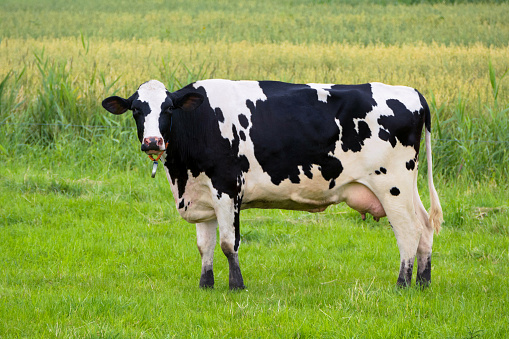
x=152 y=144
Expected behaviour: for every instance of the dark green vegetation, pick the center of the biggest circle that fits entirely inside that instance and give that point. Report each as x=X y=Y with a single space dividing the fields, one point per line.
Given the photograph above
x=91 y=246
x=357 y=22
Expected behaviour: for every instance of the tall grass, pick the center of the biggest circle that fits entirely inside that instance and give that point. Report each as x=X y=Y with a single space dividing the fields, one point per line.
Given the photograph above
x=52 y=91
x=473 y=145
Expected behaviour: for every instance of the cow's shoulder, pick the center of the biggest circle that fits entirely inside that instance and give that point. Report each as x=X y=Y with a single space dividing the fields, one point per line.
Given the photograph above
x=205 y=142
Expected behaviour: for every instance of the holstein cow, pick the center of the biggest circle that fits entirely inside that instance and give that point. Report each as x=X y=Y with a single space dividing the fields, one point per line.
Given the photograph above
x=232 y=145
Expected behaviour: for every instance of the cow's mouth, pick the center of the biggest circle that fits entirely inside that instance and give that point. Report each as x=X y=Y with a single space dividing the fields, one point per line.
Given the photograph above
x=154 y=152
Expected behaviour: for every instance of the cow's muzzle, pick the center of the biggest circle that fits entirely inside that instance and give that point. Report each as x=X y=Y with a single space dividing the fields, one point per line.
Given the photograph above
x=152 y=145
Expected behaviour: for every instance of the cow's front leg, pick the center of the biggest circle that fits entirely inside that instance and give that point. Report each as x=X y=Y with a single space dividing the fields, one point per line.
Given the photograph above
x=236 y=281
x=206 y=241
x=229 y=235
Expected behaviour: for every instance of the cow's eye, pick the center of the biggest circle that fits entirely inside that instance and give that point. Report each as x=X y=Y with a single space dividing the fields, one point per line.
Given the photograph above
x=136 y=112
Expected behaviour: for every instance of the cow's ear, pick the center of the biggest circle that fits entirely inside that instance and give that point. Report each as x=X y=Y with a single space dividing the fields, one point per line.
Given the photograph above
x=189 y=101
x=116 y=105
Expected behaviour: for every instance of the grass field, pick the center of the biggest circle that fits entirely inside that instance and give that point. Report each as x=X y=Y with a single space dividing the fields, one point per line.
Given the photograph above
x=104 y=254
x=92 y=247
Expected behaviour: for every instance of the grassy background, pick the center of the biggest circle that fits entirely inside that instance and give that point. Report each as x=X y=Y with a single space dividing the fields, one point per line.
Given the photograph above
x=90 y=246
x=358 y=22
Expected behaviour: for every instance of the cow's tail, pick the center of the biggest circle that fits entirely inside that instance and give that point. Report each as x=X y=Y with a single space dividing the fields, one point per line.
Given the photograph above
x=435 y=212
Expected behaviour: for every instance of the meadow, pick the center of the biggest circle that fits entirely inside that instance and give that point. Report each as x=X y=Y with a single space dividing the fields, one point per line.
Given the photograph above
x=92 y=247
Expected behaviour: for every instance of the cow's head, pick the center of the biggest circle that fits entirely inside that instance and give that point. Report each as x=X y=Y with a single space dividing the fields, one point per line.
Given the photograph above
x=153 y=106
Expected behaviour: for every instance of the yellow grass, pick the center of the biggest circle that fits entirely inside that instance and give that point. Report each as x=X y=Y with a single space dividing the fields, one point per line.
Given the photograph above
x=444 y=71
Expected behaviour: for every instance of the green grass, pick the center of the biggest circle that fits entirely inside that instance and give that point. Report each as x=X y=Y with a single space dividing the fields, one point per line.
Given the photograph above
x=98 y=253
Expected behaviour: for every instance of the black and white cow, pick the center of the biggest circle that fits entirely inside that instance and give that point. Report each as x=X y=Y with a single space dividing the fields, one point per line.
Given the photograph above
x=232 y=145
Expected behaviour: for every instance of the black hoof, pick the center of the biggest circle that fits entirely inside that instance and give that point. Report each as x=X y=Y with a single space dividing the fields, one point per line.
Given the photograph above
x=424 y=277
x=405 y=273
x=402 y=283
x=237 y=287
x=207 y=279
x=206 y=287
x=235 y=280
x=423 y=284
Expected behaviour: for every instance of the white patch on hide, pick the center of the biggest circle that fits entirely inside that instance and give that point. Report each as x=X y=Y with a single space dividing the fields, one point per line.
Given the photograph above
x=321 y=91
x=231 y=97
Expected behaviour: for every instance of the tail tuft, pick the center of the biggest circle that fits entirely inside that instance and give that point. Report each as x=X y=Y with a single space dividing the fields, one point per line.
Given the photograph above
x=436 y=216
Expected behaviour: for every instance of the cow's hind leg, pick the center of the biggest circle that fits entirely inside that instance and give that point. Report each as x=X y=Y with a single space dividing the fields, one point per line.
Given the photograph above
x=424 y=258
x=206 y=240
x=425 y=245
x=398 y=205
x=408 y=232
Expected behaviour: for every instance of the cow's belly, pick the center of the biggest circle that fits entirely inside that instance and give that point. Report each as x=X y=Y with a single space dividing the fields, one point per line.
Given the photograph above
x=314 y=198
x=312 y=195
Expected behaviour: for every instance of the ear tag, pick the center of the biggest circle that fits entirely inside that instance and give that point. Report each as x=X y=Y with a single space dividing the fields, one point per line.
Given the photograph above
x=154 y=169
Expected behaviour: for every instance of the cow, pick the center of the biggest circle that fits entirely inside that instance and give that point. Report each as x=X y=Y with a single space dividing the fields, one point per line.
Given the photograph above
x=232 y=145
